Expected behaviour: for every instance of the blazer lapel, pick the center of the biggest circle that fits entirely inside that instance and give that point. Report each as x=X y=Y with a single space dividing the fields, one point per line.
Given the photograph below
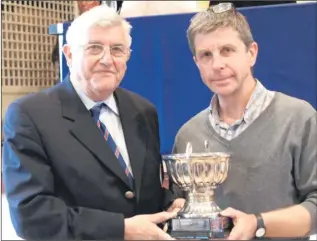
x=86 y=131
x=135 y=138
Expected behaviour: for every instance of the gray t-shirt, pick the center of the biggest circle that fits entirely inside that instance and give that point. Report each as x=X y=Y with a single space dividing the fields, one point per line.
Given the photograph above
x=274 y=161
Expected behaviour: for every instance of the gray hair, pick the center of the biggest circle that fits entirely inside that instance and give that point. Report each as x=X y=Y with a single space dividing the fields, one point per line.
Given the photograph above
x=208 y=21
x=103 y=16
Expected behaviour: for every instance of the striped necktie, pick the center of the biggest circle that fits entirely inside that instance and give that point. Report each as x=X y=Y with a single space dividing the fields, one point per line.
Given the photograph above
x=95 y=112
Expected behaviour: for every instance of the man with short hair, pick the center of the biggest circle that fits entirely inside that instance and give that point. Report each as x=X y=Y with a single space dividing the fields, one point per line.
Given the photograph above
x=82 y=159
x=271 y=188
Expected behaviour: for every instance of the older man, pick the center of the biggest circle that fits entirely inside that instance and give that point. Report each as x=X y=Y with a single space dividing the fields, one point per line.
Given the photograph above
x=82 y=159
x=271 y=188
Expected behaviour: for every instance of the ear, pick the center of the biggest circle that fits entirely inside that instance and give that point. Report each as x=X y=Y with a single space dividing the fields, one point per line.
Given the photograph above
x=68 y=54
x=195 y=60
x=129 y=56
x=252 y=53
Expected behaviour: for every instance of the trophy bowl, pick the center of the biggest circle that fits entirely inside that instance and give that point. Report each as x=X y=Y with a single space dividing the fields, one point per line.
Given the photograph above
x=198 y=174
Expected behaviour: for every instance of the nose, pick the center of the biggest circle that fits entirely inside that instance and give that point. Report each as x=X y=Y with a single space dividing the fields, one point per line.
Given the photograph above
x=218 y=62
x=106 y=58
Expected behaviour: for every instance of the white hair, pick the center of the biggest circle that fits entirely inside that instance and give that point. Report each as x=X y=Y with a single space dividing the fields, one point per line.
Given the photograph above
x=103 y=16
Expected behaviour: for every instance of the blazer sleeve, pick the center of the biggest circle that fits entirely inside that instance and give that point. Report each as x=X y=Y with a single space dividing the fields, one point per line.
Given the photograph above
x=36 y=212
x=169 y=195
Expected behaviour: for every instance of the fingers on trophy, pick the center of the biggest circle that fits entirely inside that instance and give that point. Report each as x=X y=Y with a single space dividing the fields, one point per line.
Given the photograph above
x=198 y=174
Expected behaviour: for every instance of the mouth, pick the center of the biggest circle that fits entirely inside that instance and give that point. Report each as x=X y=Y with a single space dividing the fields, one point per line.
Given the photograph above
x=105 y=72
x=221 y=79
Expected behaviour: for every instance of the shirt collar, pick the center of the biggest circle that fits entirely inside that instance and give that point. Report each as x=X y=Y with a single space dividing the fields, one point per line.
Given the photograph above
x=89 y=103
x=257 y=92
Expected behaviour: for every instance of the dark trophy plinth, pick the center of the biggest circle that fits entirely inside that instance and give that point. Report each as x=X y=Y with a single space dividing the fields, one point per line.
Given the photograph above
x=198 y=174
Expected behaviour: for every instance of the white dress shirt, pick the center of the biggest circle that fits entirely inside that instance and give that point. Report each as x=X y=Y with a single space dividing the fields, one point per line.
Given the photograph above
x=110 y=117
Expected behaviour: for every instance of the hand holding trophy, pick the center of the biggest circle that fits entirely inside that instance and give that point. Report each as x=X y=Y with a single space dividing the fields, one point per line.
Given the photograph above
x=198 y=174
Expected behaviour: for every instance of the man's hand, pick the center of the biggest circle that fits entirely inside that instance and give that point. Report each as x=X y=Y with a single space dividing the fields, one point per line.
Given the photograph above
x=143 y=227
x=177 y=205
x=244 y=224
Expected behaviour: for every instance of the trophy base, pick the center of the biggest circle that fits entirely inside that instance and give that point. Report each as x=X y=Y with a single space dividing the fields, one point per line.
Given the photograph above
x=209 y=228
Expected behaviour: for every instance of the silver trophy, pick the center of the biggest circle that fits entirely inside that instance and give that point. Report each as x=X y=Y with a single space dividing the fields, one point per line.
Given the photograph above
x=198 y=174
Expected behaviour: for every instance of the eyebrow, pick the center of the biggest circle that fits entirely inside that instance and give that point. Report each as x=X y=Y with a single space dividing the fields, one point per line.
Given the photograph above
x=100 y=43
x=94 y=42
x=228 y=45
x=221 y=46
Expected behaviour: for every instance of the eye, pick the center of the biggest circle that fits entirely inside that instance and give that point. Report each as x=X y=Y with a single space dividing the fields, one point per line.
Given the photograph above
x=94 y=49
x=204 y=55
x=117 y=50
x=226 y=50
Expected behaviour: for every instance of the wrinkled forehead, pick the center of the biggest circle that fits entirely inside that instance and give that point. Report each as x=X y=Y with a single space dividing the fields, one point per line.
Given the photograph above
x=219 y=37
x=105 y=35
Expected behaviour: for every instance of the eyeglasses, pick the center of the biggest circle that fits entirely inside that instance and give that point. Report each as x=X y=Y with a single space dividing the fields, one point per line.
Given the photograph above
x=98 y=50
x=221 y=7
